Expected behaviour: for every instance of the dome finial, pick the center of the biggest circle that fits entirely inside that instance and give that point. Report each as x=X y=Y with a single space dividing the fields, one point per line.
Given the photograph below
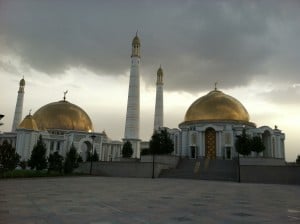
x=65 y=93
x=216 y=86
x=30 y=112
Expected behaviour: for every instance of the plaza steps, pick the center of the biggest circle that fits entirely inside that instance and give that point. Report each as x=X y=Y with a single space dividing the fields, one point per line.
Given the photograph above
x=204 y=169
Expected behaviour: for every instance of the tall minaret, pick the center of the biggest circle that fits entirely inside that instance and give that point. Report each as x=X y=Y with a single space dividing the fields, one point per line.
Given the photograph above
x=19 y=106
x=132 y=126
x=159 y=102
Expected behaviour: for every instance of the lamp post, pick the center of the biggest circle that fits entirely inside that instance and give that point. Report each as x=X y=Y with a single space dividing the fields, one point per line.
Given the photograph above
x=153 y=165
x=93 y=136
x=239 y=168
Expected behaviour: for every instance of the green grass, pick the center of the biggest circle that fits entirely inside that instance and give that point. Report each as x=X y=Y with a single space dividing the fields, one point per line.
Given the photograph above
x=33 y=173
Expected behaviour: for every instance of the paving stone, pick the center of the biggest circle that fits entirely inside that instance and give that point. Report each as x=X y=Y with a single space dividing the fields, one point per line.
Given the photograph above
x=101 y=200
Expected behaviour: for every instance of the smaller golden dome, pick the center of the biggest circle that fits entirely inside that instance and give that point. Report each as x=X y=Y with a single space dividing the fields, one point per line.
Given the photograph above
x=136 y=40
x=28 y=123
x=22 y=82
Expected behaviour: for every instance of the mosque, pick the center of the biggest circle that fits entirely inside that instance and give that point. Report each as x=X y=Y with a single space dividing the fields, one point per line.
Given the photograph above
x=210 y=128
x=61 y=124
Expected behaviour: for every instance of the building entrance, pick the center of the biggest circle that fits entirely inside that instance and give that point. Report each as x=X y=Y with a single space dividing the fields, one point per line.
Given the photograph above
x=210 y=143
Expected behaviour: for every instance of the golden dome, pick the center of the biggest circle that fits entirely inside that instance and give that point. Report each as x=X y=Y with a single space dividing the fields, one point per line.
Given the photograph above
x=216 y=106
x=64 y=116
x=28 y=123
x=136 y=40
x=22 y=82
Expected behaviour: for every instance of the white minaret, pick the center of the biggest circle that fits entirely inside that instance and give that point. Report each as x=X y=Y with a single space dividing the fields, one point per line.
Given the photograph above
x=19 y=106
x=159 y=102
x=132 y=126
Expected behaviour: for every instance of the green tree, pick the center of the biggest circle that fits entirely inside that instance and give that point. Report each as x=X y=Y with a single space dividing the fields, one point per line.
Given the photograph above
x=95 y=156
x=145 y=151
x=298 y=159
x=79 y=160
x=71 y=161
x=243 y=144
x=23 y=164
x=161 y=143
x=55 y=162
x=9 y=159
x=127 y=150
x=88 y=156
x=257 y=144
x=38 y=158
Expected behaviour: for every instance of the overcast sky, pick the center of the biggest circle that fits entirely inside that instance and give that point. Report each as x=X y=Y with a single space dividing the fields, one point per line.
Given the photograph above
x=250 y=48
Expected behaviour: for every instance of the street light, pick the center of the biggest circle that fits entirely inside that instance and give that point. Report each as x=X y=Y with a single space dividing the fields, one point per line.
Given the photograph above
x=93 y=136
x=153 y=165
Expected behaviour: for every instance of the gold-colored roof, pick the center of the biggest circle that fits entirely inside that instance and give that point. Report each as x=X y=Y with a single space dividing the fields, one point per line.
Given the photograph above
x=63 y=115
x=28 y=123
x=136 y=40
x=216 y=106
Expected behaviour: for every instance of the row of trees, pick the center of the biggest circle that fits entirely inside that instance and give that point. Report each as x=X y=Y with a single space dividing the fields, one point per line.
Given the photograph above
x=245 y=144
x=160 y=143
x=9 y=159
x=55 y=162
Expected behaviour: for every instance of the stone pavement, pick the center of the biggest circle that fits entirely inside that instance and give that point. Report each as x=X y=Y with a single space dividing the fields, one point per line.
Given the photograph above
x=105 y=200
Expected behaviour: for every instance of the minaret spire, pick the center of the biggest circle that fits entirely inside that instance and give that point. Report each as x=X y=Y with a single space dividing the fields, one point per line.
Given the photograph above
x=19 y=106
x=132 y=126
x=159 y=102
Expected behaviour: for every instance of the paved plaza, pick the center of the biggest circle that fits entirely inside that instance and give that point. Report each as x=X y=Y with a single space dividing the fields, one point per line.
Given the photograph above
x=104 y=200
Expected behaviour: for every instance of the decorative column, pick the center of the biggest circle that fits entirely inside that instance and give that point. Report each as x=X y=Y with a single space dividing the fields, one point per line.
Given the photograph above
x=132 y=126
x=19 y=106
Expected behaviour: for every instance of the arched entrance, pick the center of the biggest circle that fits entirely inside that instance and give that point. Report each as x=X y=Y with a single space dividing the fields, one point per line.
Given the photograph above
x=210 y=143
x=85 y=147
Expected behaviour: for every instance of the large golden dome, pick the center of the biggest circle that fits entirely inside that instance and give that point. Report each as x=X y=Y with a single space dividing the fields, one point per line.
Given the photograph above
x=64 y=116
x=217 y=106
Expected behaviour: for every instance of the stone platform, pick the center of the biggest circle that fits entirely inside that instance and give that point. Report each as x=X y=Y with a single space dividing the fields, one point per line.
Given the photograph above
x=105 y=200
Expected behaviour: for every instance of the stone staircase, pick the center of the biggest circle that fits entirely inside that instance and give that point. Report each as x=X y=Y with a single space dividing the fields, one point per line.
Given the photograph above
x=204 y=169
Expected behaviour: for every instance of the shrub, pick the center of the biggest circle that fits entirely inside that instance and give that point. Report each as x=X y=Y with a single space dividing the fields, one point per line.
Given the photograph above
x=127 y=150
x=55 y=162
x=38 y=158
x=9 y=159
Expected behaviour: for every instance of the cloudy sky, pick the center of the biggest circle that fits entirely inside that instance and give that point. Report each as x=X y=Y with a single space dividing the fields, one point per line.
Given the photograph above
x=250 y=48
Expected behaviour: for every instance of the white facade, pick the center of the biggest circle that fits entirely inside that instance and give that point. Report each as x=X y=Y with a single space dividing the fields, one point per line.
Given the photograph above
x=61 y=141
x=191 y=140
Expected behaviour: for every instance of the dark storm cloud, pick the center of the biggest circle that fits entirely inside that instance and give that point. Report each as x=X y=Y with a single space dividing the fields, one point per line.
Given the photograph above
x=197 y=42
